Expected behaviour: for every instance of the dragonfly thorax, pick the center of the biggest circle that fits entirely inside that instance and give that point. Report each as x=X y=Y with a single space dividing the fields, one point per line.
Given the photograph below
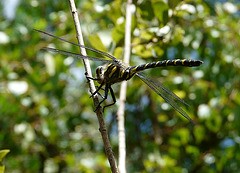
x=111 y=74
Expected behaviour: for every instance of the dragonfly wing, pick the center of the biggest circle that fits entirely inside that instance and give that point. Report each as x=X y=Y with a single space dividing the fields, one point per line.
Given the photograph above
x=165 y=93
x=165 y=89
x=115 y=60
x=77 y=55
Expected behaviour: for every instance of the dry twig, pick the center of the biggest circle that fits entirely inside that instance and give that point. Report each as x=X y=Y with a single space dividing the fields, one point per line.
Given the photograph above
x=88 y=73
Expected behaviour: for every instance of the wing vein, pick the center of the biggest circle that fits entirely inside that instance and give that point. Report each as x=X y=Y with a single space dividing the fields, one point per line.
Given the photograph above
x=165 y=93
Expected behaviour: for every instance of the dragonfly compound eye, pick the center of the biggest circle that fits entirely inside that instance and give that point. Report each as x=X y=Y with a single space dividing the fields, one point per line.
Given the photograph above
x=100 y=72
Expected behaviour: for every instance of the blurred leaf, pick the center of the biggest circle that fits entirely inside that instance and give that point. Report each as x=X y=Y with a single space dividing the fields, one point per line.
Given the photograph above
x=146 y=35
x=174 y=152
x=118 y=32
x=115 y=13
x=158 y=51
x=3 y=153
x=173 y=3
x=145 y=10
x=181 y=137
x=96 y=42
x=2 y=168
x=236 y=96
x=39 y=24
x=177 y=35
x=193 y=150
x=118 y=52
x=160 y=10
x=214 y=123
x=199 y=133
x=140 y=50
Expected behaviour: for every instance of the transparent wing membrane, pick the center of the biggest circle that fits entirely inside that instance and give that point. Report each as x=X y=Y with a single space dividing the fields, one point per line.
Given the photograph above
x=115 y=61
x=77 y=55
x=165 y=93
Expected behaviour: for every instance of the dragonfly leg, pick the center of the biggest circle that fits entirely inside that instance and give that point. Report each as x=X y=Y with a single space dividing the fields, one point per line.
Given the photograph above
x=105 y=97
x=95 y=92
x=99 y=92
x=113 y=97
x=91 y=78
x=100 y=88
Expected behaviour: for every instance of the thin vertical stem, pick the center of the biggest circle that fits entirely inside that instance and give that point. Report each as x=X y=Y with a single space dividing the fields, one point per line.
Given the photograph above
x=120 y=113
x=99 y=112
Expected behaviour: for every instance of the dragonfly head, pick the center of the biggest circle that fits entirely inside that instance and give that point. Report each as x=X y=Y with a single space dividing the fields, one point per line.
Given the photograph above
x=100 y=74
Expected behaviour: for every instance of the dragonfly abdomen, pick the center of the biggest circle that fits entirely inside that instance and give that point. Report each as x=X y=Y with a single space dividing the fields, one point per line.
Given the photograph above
x=165 y=63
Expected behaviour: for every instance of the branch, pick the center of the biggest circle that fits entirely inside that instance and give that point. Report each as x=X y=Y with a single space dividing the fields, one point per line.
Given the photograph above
x=99 y=112
x=121 y=108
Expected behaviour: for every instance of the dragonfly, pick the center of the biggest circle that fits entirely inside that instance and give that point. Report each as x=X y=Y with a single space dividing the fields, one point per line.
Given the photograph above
x=115 y=71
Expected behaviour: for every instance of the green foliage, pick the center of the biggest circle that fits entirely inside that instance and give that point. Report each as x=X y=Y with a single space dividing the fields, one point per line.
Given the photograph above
x=160 y=9
x=97 y=43
x=47 y=118
x=3 y=153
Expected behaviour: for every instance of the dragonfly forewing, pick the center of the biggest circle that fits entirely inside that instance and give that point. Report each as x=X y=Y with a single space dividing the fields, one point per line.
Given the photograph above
x=78 y=55
x=115 y=60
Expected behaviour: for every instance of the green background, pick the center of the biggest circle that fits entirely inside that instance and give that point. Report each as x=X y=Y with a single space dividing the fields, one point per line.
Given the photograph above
x=46 y=115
